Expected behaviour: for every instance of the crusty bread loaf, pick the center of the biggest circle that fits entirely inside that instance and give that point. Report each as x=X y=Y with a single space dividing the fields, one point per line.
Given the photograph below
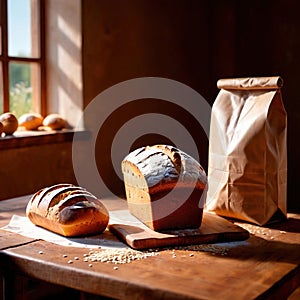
x=54 y=122
x=164 y=187
x=67 y=210
x=1 y=129
x=30 y=121
x=9 y=122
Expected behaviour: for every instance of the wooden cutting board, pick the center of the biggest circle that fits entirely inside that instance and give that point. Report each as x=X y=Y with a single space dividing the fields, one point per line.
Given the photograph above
x=138 y=236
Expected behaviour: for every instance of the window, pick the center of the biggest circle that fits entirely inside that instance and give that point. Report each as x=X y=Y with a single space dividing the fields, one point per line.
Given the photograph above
x=22 y=59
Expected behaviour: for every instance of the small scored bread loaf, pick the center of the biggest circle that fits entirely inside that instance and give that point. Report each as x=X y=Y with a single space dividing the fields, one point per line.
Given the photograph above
x=54 y=122
x=9 y=122
x=30 y=121
x=164 y=187
x=67 y=210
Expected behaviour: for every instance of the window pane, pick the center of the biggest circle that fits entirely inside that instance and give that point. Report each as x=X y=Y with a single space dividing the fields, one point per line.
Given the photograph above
x=20 y=88
x=22 y=28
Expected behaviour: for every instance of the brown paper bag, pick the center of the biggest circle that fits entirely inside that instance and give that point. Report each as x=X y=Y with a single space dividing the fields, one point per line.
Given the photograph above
x=247 y=166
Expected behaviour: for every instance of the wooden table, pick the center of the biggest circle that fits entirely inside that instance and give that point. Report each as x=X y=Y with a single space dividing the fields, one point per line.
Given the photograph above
x=265 y=266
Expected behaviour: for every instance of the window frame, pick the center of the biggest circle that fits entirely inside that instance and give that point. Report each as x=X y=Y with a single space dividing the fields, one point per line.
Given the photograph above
x=39 y=103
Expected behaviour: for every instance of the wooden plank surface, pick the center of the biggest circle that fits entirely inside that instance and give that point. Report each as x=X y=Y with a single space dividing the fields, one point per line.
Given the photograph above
x=265 y=265
x=248 y=272
x=138 y=236
x=9 y=240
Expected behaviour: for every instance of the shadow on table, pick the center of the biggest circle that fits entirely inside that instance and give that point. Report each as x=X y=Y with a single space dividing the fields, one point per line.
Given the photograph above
x=290 y=225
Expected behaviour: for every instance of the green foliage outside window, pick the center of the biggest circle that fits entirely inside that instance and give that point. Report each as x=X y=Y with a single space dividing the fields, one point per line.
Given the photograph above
x=20 y=88
x=20 y=99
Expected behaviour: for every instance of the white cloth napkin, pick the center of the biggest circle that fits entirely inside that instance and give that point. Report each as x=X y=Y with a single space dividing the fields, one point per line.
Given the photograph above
x=106 y=240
